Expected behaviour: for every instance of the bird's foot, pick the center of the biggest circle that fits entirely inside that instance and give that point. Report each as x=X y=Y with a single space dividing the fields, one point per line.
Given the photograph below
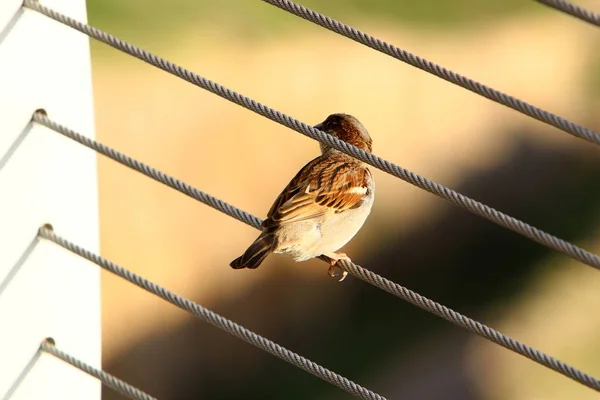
x=333 y=258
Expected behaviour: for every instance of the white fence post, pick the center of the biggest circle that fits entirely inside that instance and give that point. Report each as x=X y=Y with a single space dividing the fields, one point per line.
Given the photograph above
x=46 y=291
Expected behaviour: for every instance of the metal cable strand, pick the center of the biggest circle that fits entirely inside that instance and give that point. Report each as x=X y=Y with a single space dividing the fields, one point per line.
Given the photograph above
x=470 y=324
x=393 y=169
x=358 y=271
x=437 y=70
x=109 y=380
x=153 y=173
x=472 y=205
x=337 y=27
x=364 y=274
x=573 y=10
x=315 y=369
x=216 y=320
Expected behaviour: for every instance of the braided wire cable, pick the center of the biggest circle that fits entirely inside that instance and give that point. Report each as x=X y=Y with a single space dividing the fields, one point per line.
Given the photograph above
x=390 y=287
x=461 y=200
x=215 y=319
x=573 y=10
x=107 y=379
x=342 y=29
x=437 y=70
x=150 y=172
x=356 y=270
x=469 y=324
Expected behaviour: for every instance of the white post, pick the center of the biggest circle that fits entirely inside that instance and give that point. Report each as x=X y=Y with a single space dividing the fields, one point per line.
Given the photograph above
x=46 y=291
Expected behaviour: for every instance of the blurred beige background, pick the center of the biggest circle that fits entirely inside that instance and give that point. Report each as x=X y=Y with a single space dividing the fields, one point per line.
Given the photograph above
x=532 y=171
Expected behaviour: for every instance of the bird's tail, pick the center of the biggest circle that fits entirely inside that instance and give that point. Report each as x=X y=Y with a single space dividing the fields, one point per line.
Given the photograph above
x=256 y=253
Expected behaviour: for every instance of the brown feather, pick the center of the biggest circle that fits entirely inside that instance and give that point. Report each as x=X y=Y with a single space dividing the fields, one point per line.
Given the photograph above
x=338 y=181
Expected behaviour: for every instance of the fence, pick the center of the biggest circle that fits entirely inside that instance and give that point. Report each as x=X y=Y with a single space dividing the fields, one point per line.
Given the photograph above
x=49 y=298
x=45 y=179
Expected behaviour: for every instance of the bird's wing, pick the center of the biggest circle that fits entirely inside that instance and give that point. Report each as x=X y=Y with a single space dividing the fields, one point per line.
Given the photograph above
x=332 y=184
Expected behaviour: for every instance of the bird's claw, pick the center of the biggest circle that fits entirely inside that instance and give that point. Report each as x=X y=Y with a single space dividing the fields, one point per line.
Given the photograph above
x=332 y=271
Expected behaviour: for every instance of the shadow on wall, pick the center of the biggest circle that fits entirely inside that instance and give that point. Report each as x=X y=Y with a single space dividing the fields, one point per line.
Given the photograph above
x=455 y=258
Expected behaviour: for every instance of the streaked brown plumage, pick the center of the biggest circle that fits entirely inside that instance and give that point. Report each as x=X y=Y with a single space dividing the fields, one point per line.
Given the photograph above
x=322 y=207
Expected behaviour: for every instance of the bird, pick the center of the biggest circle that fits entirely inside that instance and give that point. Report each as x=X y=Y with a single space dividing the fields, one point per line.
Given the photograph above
x=323 y=206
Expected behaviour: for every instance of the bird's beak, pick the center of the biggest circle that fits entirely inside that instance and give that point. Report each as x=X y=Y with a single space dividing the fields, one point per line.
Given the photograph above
x=319 y=126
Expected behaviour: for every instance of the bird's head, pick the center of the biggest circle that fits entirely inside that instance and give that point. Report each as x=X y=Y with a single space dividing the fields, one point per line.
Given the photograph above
x=347 y=128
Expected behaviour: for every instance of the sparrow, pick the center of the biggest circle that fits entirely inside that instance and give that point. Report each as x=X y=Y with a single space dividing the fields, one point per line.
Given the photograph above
x=322 y=207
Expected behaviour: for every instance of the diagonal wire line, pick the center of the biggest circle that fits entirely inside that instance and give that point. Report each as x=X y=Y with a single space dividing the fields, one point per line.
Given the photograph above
x=356 y=270
x=107 y=379
x=150 y=172
x=437 y=70
x=573 y=10
x=215 y=319
x=474 y=206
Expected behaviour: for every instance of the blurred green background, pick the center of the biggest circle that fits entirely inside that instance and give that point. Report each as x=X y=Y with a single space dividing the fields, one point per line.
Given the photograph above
x=519 y=166
x=426 y=13
x=152 y=20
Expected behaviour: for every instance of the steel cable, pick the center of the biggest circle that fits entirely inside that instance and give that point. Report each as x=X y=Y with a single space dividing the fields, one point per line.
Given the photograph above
x=356 y=270
x=437 y=70
x=384 y=165
x=215 y=319
x=573 y=10
x=107 y=379
x=474 y=206
x=150 y=172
